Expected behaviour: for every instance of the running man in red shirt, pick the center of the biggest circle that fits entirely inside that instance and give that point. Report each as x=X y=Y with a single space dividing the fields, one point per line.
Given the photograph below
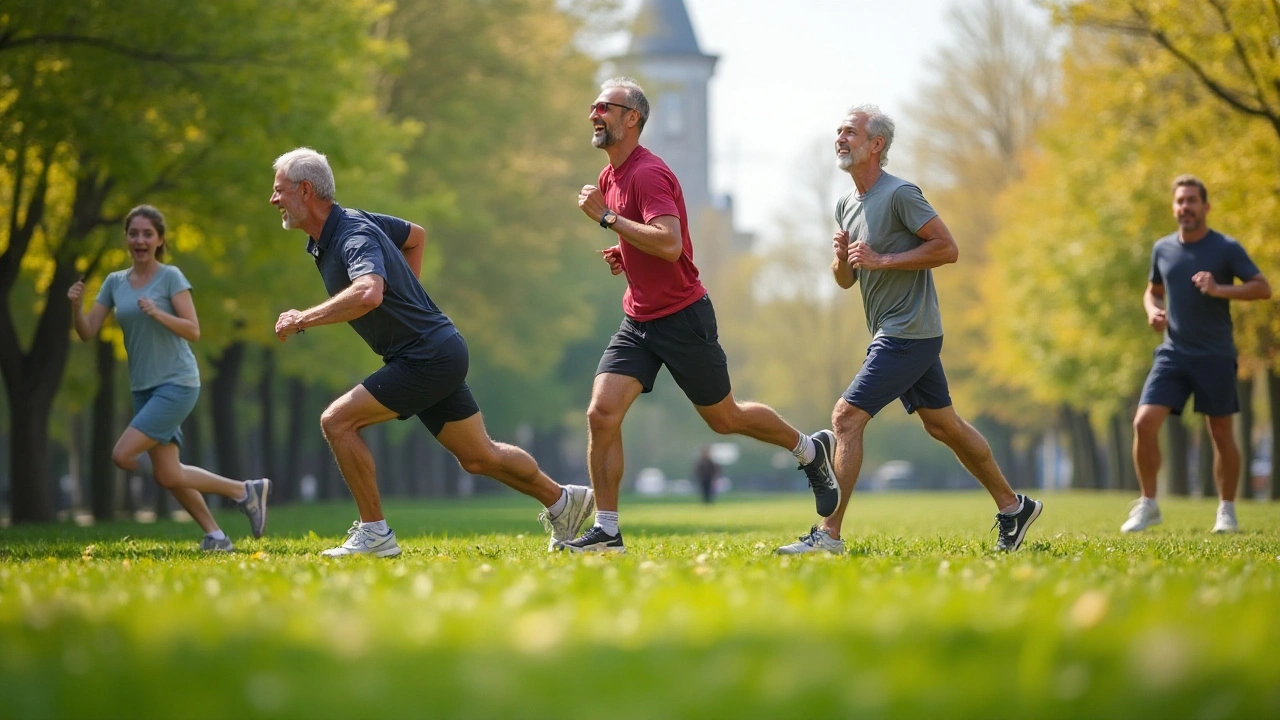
x=668 y=318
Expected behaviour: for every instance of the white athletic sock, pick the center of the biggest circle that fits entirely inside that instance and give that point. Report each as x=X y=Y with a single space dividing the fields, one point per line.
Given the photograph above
x=557 y=507
x=217 y=534
x=608 y=521
x=1012 y=509
x=1227 y=505
x=803 y=450
x=377 y=528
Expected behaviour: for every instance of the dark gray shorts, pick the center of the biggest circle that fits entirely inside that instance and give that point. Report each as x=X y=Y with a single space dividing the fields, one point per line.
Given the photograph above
x=1174 y=377
x=434 y=389
x=686 y=341
x=900 y=369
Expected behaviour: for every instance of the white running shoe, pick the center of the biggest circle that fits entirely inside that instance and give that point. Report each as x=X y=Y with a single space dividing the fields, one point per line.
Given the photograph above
x=362 y=541
x=1142 y=514
x=817 y=540
x=565 y=527
x=1226 y=521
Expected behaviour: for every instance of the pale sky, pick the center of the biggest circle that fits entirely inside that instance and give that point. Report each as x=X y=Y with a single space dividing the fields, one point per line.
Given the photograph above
x=787 y=72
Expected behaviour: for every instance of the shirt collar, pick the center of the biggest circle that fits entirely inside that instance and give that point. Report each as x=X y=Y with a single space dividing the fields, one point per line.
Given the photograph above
x=316 y=246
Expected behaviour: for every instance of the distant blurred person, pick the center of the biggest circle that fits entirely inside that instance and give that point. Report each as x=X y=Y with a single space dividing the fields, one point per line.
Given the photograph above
x=370 y=265
x=1192 y=280
x=706 y=472
x=668 y=318
x=889 y=242
x=155 y=311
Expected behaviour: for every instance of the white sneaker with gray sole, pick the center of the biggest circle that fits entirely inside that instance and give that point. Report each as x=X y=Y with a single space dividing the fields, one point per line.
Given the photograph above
x=580 y=506
x=362 y=541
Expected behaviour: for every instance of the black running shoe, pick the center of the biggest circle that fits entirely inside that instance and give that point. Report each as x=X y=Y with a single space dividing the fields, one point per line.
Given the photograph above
x=822 y=474
x=1014 y=527
x=595 y=539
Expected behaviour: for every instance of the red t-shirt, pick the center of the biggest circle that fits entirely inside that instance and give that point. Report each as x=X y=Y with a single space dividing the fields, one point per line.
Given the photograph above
x=641 y=189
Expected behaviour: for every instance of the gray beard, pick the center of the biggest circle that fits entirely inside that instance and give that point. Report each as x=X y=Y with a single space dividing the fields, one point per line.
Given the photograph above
x=604 y=140
x=844 y=162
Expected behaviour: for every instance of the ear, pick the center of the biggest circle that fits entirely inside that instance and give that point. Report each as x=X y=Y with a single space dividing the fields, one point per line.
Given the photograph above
x=306 y=187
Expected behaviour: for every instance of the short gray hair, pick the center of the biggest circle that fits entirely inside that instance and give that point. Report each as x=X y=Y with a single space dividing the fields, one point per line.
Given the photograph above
x=307 y=164
x=635 y=96
x=878 y=125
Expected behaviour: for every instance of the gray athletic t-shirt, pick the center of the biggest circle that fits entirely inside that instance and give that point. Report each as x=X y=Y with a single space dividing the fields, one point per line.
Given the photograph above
x=1198 y=324
x=156 y=355
x=898 y=303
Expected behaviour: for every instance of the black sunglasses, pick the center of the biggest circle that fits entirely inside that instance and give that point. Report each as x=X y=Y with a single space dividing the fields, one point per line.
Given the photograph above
x=602 y=107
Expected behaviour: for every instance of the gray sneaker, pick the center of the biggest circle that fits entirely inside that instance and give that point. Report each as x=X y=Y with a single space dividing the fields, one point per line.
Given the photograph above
x=817 y=540
x=208 y=544
x=254 y=504
x=565 y=527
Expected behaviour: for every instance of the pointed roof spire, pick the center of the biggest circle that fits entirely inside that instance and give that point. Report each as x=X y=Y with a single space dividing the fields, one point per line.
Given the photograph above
x=662 y=27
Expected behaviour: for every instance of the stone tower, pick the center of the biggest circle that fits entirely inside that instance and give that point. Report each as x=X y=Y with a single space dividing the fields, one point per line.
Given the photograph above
x=664 y=56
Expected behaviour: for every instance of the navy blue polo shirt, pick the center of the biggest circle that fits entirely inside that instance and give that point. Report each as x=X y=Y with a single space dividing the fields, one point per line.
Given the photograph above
x=354 y=243
x=1198 y=324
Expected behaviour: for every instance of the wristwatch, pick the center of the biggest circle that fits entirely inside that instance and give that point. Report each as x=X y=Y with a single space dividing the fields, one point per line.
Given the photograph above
x=608 y=219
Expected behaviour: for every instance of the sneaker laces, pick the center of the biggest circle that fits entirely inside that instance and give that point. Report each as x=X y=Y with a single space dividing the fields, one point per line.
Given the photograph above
x=813 y=471
x=1006 y=523
x=812 y=538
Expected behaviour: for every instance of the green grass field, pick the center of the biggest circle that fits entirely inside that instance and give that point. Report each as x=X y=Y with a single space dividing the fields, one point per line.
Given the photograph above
x=699 y=620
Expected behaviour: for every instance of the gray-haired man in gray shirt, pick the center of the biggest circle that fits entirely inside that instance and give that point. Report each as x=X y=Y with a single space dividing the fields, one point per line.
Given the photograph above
x=889 y=242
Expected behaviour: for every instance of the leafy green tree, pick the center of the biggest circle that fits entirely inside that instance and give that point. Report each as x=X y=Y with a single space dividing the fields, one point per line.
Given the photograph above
x=105 y=105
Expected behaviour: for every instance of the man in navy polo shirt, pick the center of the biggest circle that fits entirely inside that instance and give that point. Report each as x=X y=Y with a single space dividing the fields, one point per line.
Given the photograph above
x=1193 y=273
x=370 y=265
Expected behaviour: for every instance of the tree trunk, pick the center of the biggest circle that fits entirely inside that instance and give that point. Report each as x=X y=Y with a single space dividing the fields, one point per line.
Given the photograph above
x=102 y=472
x=1204 y=463
x=1085 y=468
x=999 y=436
x=266 y=393
x=1273 y=391
x=1244 y=388
x=1176 y=456
x=299 y=425
x=225 y=383
x=1119 y=453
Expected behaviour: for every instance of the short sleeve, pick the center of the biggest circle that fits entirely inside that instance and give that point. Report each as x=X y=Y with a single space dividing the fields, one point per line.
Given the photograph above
x=175 y=281
x=1154 y=277
x=363 y=256
x=840 y=211
x=911 y=207
x=106 y=294
x=396 y=229
x=657 y=193
x=1241 y=265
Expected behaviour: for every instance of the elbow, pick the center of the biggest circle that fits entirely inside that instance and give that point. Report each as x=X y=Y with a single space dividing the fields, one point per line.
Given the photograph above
x=371 y=298
x=674 y=252
x=952 y=255
x=194 y=335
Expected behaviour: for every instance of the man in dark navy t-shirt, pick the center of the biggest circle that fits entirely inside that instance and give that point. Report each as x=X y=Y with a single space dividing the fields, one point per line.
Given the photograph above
x=668 y=318
x=1192 y=278
x=369 y=264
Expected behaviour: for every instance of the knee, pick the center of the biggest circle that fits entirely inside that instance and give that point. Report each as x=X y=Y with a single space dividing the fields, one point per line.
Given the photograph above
x=332 y=422
x=169 y=478
x=941 y=432
x=723 y=422
x=123 y=460
x=847 y=420
x=1146 y=427
x=480 y=462
x=603 y=419
x=1222 y=434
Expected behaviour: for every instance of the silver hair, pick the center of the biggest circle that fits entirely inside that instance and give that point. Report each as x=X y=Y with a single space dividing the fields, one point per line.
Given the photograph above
x=635 y=96
x=307 y=164
x=878 y=125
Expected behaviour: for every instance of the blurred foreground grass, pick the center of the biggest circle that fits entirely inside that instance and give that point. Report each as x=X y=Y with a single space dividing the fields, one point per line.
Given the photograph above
x=699 y=620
